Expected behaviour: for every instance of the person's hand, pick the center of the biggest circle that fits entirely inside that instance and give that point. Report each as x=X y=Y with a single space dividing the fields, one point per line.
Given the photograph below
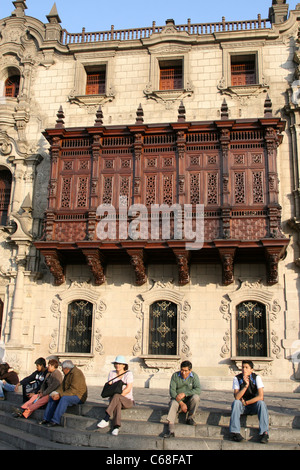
x=180 y=396
x=246 y=379
x=183 y=407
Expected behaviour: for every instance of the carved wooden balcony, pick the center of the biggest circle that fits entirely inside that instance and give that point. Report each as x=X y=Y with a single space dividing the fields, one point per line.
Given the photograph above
x=227 y=166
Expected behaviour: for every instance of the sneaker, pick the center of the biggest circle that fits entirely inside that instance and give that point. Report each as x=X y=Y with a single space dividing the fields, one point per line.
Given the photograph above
x=264 y=438
x=2 y=398
x=17 y=413
x=168 y=434
x=115 y=432
x=235 y=436
x=102 y=424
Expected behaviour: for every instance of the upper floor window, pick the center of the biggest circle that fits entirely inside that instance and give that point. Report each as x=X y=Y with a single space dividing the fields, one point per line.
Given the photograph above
x=5 y=188
x=243 y=70
x=171 y=75
x=95 y=81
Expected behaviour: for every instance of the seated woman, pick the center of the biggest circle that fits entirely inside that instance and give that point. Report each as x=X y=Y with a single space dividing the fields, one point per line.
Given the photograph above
x=8 y=379
x=119 y=401
x=52 y=381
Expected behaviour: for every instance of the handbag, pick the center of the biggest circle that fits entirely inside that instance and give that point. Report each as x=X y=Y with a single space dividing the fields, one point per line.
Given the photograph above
x=111 y=389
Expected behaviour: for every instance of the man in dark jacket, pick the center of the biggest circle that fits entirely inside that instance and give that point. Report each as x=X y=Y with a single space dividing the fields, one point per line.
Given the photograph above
x=8 y=379
x=72 y=391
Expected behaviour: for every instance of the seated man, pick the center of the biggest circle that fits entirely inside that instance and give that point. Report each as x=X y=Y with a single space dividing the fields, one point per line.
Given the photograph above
x=249 y=395
x=72 y=391
x=185 y=395
x=8 y=379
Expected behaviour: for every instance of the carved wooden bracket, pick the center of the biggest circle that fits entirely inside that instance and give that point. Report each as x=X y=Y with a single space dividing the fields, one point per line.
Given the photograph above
x=96 y=261
x=137 y=259
x=54 y=263
x=227 y=257
x=182 y=259
x=274 y=253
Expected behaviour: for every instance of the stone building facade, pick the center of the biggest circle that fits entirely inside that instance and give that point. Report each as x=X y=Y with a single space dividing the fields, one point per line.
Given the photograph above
x=193 y=116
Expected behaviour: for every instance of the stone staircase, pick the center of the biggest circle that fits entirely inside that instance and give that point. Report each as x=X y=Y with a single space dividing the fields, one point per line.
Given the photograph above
x=142 y=430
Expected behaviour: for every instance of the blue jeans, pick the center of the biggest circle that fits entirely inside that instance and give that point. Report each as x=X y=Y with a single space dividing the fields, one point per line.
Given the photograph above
x=259 y=408
x=56 y=408
x=7 y=387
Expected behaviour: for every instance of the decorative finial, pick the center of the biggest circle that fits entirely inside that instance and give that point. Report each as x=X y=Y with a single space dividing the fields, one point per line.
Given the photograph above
x=60 y=119
x=139 y=115
x=224 y=110
x=20 y=7
x=181 y=113
x=268 y=107
x=99 y=117
x=53 y=16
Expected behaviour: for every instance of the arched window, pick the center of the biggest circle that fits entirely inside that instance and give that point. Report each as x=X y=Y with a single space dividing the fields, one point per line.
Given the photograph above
x=163 y=328
x=251 y=329
x=12 y=85
x=79 y=327
x=5 y=188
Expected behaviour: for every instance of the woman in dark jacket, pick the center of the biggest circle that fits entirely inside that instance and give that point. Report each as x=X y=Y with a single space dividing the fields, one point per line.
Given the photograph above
x=33 y=382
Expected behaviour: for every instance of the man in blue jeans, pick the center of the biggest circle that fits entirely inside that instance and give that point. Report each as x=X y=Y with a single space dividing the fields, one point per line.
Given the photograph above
x=71 y=392
x=248 y=392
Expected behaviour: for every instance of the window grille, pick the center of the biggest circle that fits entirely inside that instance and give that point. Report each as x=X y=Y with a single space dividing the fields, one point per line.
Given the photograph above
x=171 y=77
x=12 y=85
x=95 y=83
x=243 y=72
x=251 y=329
x=163 y=328
x=79 y=327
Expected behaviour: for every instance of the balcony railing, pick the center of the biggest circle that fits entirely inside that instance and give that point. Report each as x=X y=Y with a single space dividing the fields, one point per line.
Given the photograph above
x=143 y=33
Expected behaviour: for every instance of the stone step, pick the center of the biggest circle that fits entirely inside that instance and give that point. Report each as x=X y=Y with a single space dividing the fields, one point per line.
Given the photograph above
x=152 y=428
x=82 y=432
x=142 y=429
x=27 y=435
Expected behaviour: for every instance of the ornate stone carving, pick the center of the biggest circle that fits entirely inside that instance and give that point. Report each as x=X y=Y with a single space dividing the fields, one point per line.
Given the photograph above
x=76 y=290
x=250 y=289
x=159 y=290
